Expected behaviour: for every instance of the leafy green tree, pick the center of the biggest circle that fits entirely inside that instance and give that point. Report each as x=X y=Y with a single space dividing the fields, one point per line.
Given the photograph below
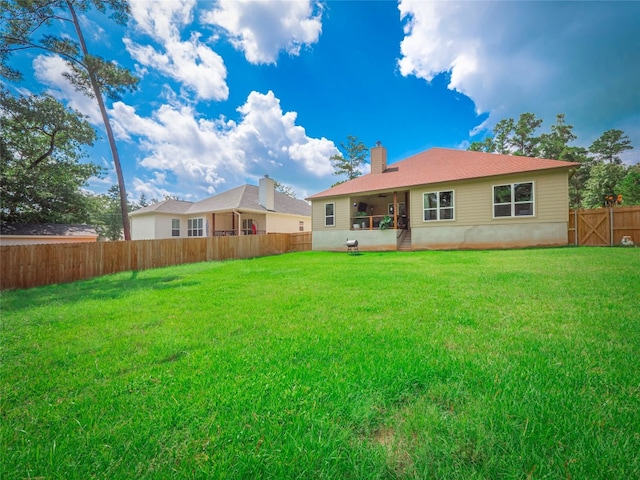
x=577 y=182
x=22 y=20
x=111 y=217
x=523 y=141
x=502 y=135
x=41 y=176
x=353 y=156
x=499 y=142
x=602 y=184
x=487 y=145
x=629 y=186
x=142 y=202
x=610 y=145
x=511 y=138
x=555 y=145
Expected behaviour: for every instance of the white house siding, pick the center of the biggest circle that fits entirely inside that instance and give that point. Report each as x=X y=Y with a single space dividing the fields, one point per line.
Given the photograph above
x=143 y=227
x=474 y=225
x=282 y=223
x=156 y=226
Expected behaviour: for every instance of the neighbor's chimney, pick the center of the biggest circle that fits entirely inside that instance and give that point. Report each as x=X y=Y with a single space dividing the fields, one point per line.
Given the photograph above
x=266 y=193
x=378 y=158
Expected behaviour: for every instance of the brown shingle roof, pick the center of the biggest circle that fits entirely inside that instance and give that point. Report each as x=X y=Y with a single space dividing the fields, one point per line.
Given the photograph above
x=439 y=165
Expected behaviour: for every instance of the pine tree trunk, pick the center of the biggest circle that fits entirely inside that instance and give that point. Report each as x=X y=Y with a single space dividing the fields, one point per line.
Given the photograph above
x=105 y=118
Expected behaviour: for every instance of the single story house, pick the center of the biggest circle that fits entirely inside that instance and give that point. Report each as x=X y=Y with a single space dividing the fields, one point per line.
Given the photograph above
x=446 y=199
x=244 y=210
x=32 y=234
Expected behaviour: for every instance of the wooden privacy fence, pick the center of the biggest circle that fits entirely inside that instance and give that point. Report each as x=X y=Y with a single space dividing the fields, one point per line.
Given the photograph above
x=604 y=226
x=26 y=266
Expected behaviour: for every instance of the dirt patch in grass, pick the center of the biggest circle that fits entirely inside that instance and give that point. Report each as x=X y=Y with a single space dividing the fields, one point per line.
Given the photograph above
x=396 y=447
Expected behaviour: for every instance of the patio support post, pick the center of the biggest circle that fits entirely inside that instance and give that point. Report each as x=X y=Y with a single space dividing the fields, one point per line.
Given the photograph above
x=395 y=209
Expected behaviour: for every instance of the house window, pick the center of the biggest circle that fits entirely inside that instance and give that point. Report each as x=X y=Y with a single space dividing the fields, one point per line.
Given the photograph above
x=194 y=227
x=301 y=226
x=513 y=200
x=175 y=227
x=249 y=227
x=329 y=215
x=438 y=206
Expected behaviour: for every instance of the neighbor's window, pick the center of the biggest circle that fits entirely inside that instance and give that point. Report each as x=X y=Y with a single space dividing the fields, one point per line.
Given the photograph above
x=329 y=215
x=301 y=226
x=513 y=200
x=438 y=205
x=248 y=226
x=194 y=227
x=175 y=227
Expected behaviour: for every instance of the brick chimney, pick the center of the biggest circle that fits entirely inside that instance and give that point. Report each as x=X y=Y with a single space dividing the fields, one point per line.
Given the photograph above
x=378 y=158
x=266 y=193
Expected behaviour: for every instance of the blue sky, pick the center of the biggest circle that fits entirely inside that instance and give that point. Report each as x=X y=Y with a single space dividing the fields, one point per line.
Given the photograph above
x=233 y=90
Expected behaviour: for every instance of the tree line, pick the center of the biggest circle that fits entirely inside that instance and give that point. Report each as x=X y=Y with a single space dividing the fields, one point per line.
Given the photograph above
x=602 y=178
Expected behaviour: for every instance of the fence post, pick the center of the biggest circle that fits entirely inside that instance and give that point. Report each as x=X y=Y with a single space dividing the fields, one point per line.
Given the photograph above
x=611 y=226
x=576 y=242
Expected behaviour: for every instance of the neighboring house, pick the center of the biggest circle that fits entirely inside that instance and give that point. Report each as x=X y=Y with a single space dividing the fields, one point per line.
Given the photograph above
x=446 y=199
x=31 y=234
x=245 y=210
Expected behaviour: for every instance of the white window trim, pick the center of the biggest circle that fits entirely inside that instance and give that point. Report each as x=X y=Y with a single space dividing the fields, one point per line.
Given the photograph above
x=437 y=209
x=199 y=227
x=330 y=216
x=512 y=202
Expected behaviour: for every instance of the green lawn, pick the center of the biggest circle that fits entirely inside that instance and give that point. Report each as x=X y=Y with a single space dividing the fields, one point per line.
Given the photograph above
x=518 y=364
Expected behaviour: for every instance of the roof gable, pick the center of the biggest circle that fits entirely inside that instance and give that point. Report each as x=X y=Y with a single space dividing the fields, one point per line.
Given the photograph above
x=244 y=197
x=166 y=206
x=440 y=165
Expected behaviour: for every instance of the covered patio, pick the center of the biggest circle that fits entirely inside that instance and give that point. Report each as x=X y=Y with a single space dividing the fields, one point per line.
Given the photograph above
x=234 y=223
x=380 y=211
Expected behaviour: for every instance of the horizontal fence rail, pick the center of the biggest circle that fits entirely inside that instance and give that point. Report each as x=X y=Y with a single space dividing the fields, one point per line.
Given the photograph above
x=26 y=266
x=604 y=226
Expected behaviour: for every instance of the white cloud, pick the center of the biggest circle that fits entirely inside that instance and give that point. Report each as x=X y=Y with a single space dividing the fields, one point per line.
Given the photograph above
x=205 y=156
x=577 y=58
x=190 y=62
x=152 y=188
x=262 y=28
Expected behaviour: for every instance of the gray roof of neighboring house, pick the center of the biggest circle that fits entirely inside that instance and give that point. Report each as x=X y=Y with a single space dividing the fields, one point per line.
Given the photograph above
x=166 y=206
x=244 y=197
x=47 y=229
